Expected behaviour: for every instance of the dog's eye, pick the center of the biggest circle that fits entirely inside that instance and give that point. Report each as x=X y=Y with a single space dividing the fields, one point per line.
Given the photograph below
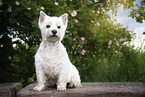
x=47 y=26
x=58 y=27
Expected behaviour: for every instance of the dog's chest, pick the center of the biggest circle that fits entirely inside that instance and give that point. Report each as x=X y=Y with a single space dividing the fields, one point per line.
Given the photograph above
x=51 y=54
x=52 y=59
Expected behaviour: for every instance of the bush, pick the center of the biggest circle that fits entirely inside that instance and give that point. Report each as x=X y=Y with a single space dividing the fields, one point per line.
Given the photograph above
x=95 y=43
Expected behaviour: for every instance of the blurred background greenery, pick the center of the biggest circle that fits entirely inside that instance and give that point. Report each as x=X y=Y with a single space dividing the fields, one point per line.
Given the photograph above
x=94 y=42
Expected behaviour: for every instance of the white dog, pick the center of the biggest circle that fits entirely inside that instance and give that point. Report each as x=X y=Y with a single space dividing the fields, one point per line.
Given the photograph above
x=51 y=60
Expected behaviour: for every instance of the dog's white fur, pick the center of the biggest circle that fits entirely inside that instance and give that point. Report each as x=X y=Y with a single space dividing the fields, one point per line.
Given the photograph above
x=51 y=60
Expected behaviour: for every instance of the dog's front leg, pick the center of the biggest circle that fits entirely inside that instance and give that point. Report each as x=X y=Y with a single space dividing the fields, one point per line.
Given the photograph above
x=61 y=84
x=41 y=79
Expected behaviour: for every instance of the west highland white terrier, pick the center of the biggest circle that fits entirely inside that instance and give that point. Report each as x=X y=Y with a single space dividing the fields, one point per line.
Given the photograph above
x=52 y=63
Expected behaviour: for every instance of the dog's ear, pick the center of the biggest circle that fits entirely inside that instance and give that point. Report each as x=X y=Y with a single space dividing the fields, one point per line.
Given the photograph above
x=42 y=16
x=64 y=18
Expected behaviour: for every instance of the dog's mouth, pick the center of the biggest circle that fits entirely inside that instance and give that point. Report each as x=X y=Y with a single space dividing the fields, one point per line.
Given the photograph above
x=53 y=38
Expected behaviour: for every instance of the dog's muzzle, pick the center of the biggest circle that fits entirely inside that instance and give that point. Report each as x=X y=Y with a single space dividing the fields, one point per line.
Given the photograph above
x=54 y=32
x=54 y=36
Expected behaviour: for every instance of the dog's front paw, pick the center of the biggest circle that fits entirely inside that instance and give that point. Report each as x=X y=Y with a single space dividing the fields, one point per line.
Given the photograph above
x=61 y=88
x=38 y=88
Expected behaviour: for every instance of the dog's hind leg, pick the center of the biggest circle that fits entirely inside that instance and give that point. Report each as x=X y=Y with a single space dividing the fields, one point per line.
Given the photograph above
x=75 y=82
x=75 y=78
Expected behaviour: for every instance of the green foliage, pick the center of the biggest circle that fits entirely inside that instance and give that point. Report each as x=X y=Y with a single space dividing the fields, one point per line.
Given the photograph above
x=139 y=13
x=95 y=44
x=5 y=55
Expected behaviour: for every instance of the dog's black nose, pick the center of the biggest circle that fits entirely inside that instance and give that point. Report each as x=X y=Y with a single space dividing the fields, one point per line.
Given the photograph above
x=54 y=32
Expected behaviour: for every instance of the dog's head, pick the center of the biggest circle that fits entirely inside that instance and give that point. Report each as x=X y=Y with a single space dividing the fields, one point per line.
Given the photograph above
x=52 y=28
